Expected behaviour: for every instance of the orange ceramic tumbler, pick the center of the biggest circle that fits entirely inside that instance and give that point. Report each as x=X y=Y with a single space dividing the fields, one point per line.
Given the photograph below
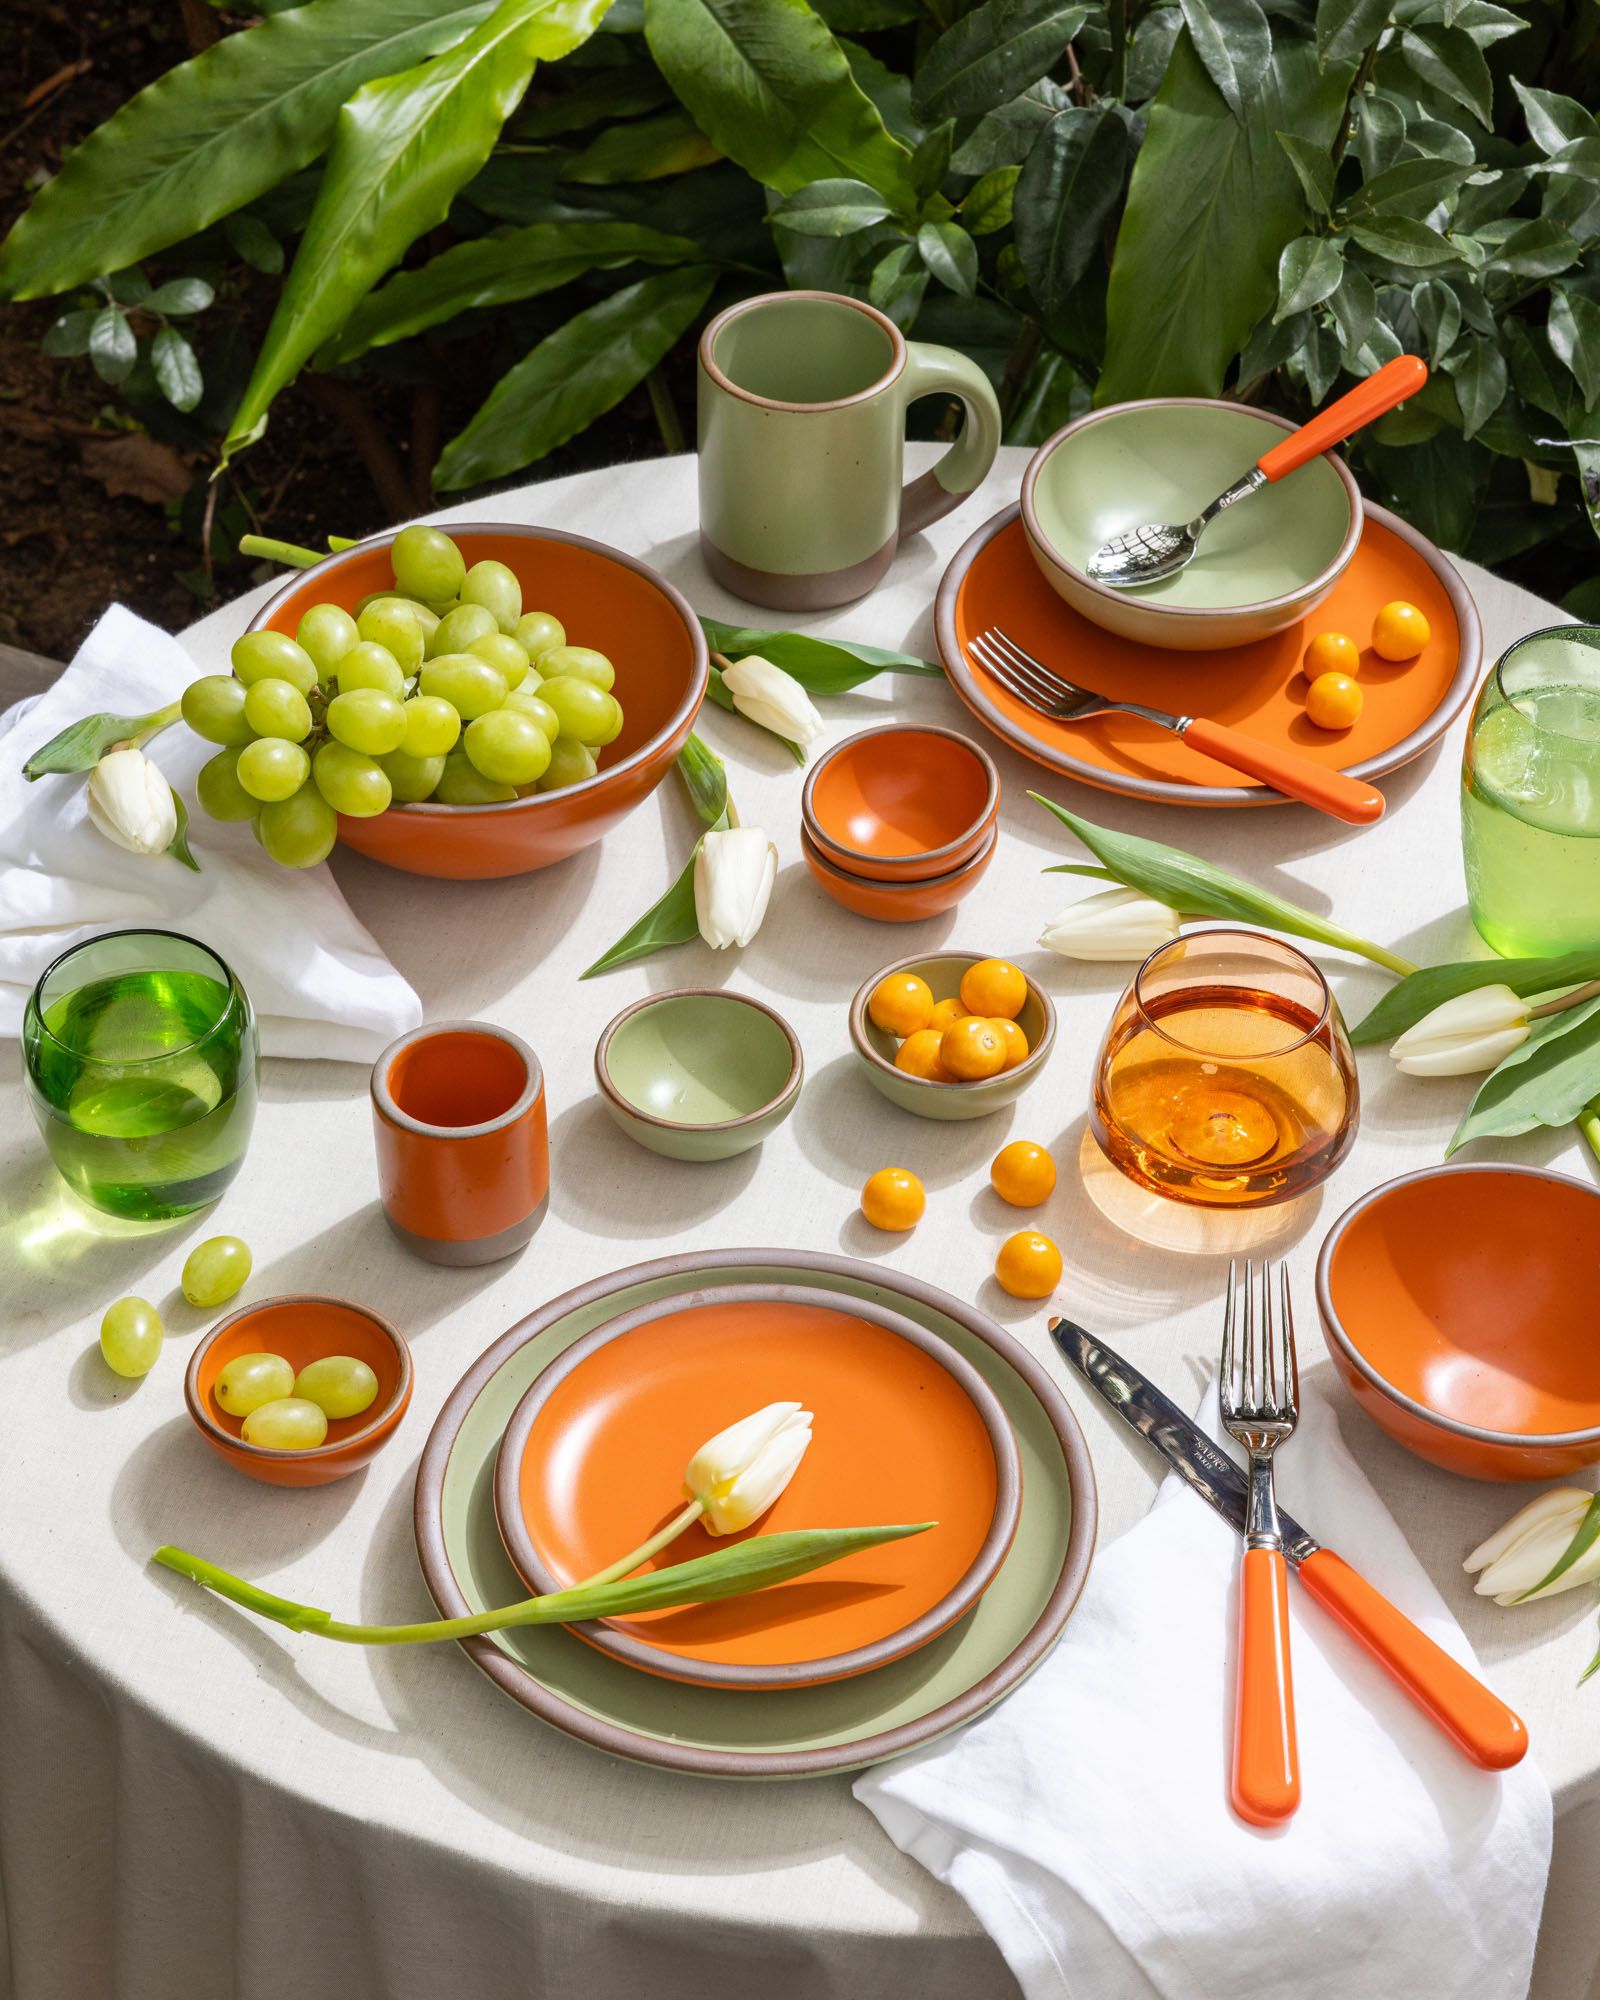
x=463 y=1141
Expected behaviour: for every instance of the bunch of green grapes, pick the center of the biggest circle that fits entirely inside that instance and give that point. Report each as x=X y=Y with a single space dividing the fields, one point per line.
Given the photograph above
x=443 y=688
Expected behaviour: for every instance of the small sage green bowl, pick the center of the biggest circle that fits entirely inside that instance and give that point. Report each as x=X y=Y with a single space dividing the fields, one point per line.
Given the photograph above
x=875 y=1049
x=699 y=1074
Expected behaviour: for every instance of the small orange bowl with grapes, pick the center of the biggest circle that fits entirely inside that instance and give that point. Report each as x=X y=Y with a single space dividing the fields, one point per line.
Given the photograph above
x=952 y=1034
x=473 y=703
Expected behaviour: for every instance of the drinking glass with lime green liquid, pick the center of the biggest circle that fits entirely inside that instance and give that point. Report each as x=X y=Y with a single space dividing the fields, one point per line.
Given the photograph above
x=141 y=1055
x=1530 y=797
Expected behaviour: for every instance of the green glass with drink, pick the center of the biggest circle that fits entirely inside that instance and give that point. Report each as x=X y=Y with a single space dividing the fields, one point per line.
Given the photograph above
x=141 y=1058
x=1530 y=796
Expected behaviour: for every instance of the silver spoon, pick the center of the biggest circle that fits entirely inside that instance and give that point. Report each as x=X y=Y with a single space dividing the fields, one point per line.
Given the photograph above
x=1146 y=555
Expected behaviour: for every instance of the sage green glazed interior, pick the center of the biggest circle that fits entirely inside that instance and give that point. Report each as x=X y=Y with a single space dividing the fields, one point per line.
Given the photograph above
x=690 y=1066
x=949 y=1101
x=753 y=1723
x=1168 y=461
x=803 y=351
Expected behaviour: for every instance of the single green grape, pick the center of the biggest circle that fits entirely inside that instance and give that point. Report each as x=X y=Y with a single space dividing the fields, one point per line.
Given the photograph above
x=130 y=1337
x=298 y=832
x=350 y=782
x=457 y=629
x=536 y=632
x=273 y=656
x=214 y=1270
x=411 y=779
x=248 y=1381
x=218 y=789
x=432 y=727
x=579 y=663
x=463 y=785
x=531 y=703
x=390 y=624
x=508 y=746
x=367 y=719
x=369 y=665
x=214 y=708
x=496 y=588
x=424 y=614
x=427 y=564
x=504 y=655
x=277 y=708
x=470 y=685
x=339 y=1385
x=289 y=1423
x=570 y=764
x=583 y=710
x=326 y=632
x=270 y=769
x=614 y=730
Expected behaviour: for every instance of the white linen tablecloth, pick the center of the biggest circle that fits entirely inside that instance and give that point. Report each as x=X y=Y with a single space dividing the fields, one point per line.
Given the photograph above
x=191 y=1802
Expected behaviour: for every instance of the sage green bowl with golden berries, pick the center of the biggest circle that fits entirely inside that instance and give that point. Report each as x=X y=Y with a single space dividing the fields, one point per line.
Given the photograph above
x=876 y=1048
x=699 y=1074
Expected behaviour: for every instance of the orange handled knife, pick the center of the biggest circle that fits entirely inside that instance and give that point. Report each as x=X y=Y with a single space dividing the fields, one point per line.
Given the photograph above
x=1476 y=1720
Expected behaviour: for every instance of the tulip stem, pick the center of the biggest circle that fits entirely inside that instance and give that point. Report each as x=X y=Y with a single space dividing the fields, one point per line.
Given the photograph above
x=625 y=1565
x=1565 y=1000
x=151 y=725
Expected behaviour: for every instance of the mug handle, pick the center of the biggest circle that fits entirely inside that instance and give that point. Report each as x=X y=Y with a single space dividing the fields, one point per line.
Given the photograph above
x=966 y=464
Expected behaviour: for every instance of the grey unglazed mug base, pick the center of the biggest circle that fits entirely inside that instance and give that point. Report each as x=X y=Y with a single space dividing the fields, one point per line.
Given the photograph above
x=461 y=1255
x=814 y=592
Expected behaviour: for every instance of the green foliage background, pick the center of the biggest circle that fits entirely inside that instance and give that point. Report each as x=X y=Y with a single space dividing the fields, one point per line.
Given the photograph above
x=1257 y=198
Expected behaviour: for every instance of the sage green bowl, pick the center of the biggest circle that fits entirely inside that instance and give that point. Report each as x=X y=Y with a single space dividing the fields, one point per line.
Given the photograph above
x=875 y=1049
x=698 y=1074
x=1261 y=566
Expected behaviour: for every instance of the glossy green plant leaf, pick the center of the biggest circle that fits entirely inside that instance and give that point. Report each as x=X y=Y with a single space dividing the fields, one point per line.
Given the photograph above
x=643 y=149
x=1451 y=61
x=1211 y=204
x=951 y=255
x=177 y=371
x=992 y=55
x=1348 y=28
x=112 y=348
x=830 y=208
x=1554 y=121
x=1419 y=994
x=574 y=375
x=1401 y=239
x=822 y=666
x=1573 y=328
x=1309 y=271
x=766 y=81
x=1479 y=374
x=1006 y=137
x=1314 y=169
x=405 y=145
x=1070 y=184
x=987 y=206
x=1547 y=1081
x=1409 y=187
x=1234 y=42
x=216 y=132
x=497 y=271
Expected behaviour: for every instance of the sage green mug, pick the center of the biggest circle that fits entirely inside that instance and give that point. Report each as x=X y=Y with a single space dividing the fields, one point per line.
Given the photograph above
x=803 y=400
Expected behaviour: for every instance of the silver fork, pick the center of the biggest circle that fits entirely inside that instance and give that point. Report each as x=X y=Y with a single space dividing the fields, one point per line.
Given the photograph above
x=1047 y=693
x=1259 y=1389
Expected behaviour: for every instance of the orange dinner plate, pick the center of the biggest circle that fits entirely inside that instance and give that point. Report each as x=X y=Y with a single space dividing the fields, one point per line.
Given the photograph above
x=904 y=1429
x=994 y=580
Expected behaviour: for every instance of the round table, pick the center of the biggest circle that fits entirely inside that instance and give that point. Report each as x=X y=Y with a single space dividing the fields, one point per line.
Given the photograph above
x=194 y=1802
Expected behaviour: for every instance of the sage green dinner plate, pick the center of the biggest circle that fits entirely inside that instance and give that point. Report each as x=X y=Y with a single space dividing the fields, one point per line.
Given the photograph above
x=799 y=1732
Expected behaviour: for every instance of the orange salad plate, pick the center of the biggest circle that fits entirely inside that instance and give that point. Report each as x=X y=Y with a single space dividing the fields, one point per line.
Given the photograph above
x=904 y=1429
x=993 y=580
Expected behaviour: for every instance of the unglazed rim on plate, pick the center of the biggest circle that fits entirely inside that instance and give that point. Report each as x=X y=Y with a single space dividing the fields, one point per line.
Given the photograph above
x=383 y=1097
x=921 y=884
x=682 y=715
x=606 y=1638
x=1523 y=1440
x=777 y=1102
x=1324 y=580
x=842 y=854
x=1104 y=778
x=386 y=1418
x=863 y=1043
x=725 y=382
x=524 y=1686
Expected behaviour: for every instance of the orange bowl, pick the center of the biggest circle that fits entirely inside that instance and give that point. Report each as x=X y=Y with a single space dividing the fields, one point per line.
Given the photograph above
x=605 y=599
x=898 y=902
x=302 y=1327
x=901 y=803
x=1458 y=1305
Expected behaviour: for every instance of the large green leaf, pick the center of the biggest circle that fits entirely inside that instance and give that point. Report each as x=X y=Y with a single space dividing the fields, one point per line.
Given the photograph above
x=992 y=54
x=1405 y=1004
x=405 y=146
x=497 y=271
x=831 y=208
x=1210 y=207
x=821 y=666
x=216 y=132
x=1234 y=42
x=1070 y=184
x=573 y=376
x=1547 y=1081
x=643 y=149
x=767 y=83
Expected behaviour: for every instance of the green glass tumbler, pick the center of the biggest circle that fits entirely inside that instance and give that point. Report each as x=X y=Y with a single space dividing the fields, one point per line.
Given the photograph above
x=141 y=1058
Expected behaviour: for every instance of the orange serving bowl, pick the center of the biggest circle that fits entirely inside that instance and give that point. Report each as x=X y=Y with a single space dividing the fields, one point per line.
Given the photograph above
x=302 y=1326
x=1458 y=1304
x=898 y=902
x=901 y=803
x=605 y=599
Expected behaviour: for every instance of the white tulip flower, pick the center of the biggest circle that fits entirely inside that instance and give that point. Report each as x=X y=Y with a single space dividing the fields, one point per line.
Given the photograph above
x=1474 y=1031
x=131 y=803
x=733 y=877
x=1115 y=924
x=1530 y=1545
x=738 y=1474
x=776 y=700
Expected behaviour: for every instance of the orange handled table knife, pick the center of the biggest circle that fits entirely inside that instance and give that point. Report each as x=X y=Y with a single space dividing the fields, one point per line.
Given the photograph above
x=1474 y=1718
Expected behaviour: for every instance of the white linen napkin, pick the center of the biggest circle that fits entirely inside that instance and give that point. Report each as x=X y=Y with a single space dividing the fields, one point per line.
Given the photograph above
x=318 y=982
x=1086 y=1818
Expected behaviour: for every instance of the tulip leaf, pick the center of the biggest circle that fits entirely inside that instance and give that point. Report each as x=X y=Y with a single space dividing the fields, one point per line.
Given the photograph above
x=1419 y=994
x=1547 y=1081
x=670 y=920
x=821 y=666
x=1587 y=1532
x=81 y=745
x=178 y=845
